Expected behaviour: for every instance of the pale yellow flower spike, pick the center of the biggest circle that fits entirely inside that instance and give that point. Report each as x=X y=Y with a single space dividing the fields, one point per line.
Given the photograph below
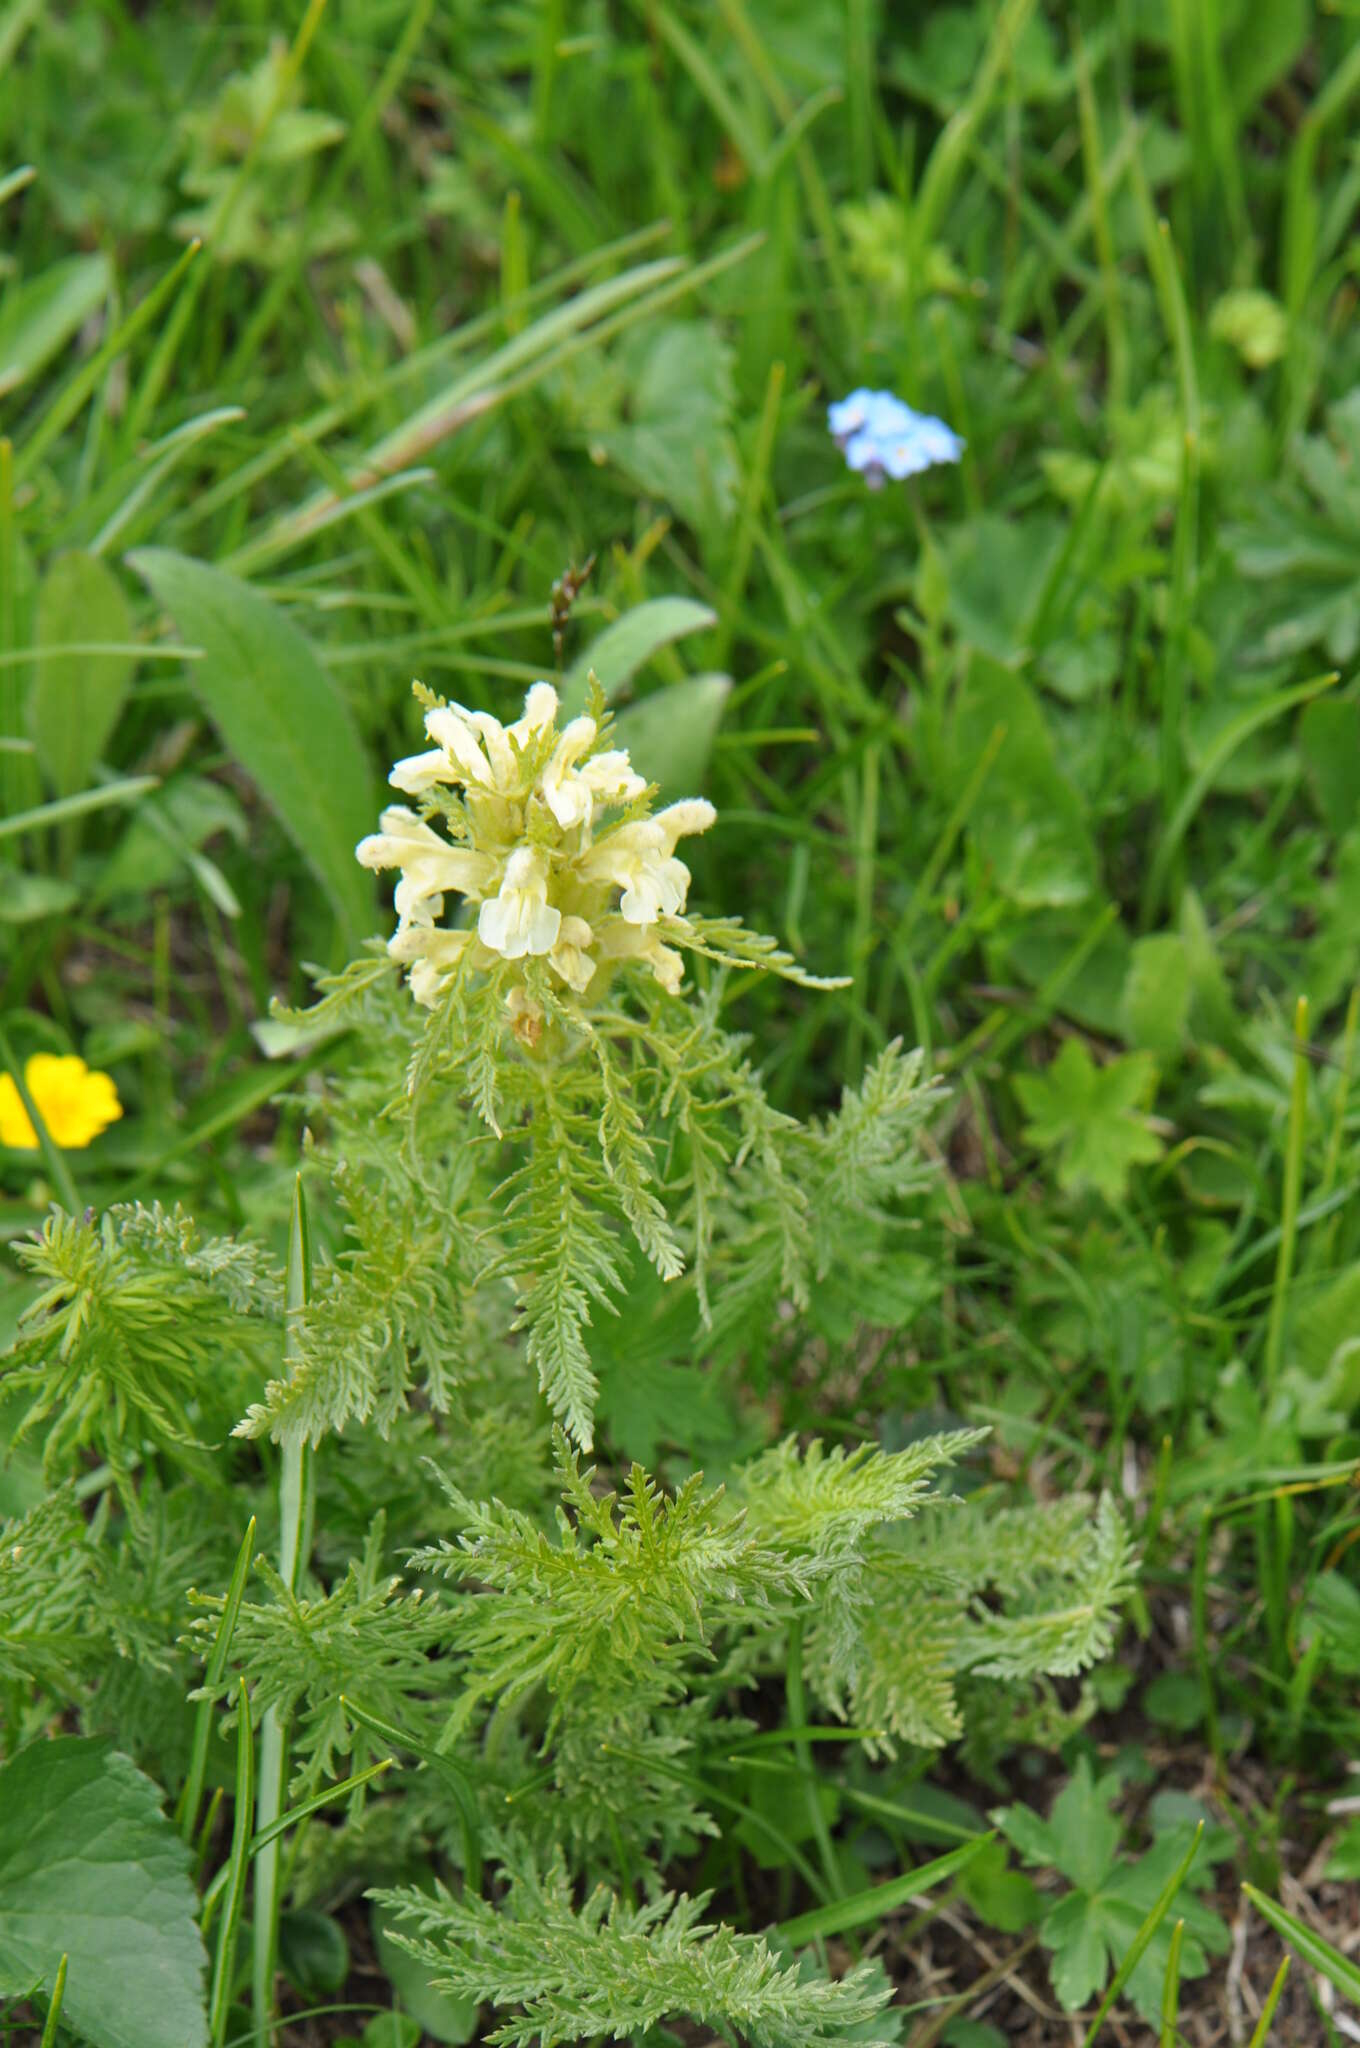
x=548 y=872
x=74 y=1102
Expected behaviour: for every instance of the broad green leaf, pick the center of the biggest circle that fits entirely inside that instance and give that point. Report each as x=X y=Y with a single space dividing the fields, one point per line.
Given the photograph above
x=1176 y=1699
x=1031 y=829
x=26 y=898
x=40 y=316
x=1001 y=1897
x=1211 y=1008
x=1229 y=737
x=996 y=570
x=313 y=1952
x=676 y=442
x=91 y=1868
x=74 y=699
x=1094 y=994
x=1332 y=1612
x=1032 y=1835
x=1156 y=1006
x=670 y=734
x=966 y=2033
x=1329 y=741
x=1087 y=1832
x=1091 y=1117
x=282 y=717
x=1343 y=1865
x=1080 y=1965
x=622 y=648
x=887 y=1292
x=1326 y=1320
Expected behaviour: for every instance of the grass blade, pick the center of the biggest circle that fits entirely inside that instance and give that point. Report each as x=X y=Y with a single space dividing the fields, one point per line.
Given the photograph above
x=52 y=1153
x=1171 y=1987
x=74 y=393
x=187 y=1813
x=1223 y=748
x=62 y=808
x=238 y=1862
x=1261 y=2032
x=1160 y=1908
x=1319 y=1953
x=444 y=1767
x=862 y=1908
x=292 y=1545
x=1293 y=1180
x=49 y=2032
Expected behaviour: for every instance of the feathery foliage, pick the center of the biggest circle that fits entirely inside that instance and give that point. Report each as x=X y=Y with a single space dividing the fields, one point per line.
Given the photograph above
x=141 y=1333
x=611 y=1969
x=303 y=1651
x=50 y=1600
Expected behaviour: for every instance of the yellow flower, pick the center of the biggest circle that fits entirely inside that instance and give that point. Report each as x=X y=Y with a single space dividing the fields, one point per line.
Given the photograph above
x=75 y=1103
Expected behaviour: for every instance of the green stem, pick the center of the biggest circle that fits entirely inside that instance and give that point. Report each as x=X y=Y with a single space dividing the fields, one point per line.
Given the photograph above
x=1293 y=1179
x=273 y=1732
x=1327 y=1238
x=802 y=1749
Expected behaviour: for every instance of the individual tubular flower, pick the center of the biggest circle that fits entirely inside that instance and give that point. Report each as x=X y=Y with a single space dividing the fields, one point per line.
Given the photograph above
x=571 y=792
x=635 y=942
x=473 y=749
x=551 y=875
x=569 y=957
x=881 y=436
x=431 y=954
x=74 y=1101
x=639 y=859
x=565 y=789
x=519 y=919
x=429 y=865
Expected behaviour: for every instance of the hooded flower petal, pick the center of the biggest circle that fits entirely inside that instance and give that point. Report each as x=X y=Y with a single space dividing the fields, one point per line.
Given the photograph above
x=419 y=772
x=680 y=821
x=611 y=779
x=504 y=767
x=637 y=859
x=631 y=942
x=565 y=791
x=540 y=711
x=429 y=865
x=449 y=727
x=569 y=957
x=519 y=919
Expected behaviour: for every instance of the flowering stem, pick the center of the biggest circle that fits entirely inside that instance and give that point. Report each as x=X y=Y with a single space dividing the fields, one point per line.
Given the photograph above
x=293 y=1517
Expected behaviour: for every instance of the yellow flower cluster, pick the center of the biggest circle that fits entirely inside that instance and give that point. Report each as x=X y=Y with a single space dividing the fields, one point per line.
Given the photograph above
x=74 y=1102
x=553 y=873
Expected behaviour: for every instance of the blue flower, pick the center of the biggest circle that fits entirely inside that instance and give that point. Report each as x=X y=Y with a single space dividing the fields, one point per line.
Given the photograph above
x=880 y=436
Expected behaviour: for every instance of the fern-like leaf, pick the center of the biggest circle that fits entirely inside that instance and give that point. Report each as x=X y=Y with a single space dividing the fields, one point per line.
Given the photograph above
x=610 y=1971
